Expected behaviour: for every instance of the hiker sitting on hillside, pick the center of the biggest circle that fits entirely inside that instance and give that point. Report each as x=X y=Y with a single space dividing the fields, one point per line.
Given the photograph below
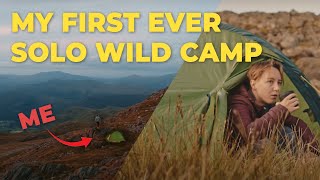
x=255 y=113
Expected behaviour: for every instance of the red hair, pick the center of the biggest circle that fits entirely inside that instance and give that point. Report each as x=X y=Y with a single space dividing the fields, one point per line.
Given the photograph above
x=257 y=69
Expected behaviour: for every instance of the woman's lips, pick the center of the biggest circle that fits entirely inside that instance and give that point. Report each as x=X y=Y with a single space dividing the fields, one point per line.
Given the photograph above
x=274 y=96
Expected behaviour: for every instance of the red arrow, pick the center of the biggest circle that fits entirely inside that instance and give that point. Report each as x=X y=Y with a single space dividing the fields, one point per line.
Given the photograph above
x=84 y=141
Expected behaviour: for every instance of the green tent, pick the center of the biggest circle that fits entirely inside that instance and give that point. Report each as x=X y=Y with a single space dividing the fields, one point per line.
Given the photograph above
x=194 y=108
x=115 y=137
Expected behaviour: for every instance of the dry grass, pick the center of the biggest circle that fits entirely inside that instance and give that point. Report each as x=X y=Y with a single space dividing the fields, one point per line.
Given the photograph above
x=159 y=154
x=147 y=162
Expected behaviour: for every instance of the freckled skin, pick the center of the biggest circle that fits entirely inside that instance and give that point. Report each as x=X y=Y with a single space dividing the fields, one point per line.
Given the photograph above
x=266 y=89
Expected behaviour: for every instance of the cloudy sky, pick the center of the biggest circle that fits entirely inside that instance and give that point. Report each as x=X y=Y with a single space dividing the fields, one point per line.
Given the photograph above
x=92 y=66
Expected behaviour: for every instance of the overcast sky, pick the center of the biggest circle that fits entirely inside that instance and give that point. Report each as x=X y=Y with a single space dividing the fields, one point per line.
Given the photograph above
x=92 y=66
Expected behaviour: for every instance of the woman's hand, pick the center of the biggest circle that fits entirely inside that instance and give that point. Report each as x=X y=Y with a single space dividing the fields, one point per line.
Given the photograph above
x=291 y=102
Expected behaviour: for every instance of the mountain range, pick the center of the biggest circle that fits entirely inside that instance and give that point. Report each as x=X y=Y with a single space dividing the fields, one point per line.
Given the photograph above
x=67 y=91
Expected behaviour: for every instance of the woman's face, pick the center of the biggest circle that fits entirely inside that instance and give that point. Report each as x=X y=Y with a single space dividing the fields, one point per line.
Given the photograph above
x=266 y=89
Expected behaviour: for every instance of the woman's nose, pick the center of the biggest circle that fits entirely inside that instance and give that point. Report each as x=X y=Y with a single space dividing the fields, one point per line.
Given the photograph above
x=276 y=87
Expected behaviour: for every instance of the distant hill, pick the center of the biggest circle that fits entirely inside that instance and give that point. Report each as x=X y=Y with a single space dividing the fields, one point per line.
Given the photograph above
x=152 y=83
x=43 y=76
x=64 y=91
x=11 y=81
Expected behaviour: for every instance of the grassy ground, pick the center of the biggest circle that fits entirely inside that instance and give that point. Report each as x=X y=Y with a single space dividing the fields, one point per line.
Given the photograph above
x=146 y=161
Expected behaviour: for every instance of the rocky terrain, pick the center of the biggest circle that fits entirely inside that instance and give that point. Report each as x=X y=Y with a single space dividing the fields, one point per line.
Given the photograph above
x=297 y=35
x=38 y=156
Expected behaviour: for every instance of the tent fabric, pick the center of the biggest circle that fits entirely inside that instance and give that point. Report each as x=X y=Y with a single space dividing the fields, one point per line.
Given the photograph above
x=195 y=104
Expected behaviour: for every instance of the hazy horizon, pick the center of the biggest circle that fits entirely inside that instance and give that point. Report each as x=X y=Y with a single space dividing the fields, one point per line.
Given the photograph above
x=129 y=75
